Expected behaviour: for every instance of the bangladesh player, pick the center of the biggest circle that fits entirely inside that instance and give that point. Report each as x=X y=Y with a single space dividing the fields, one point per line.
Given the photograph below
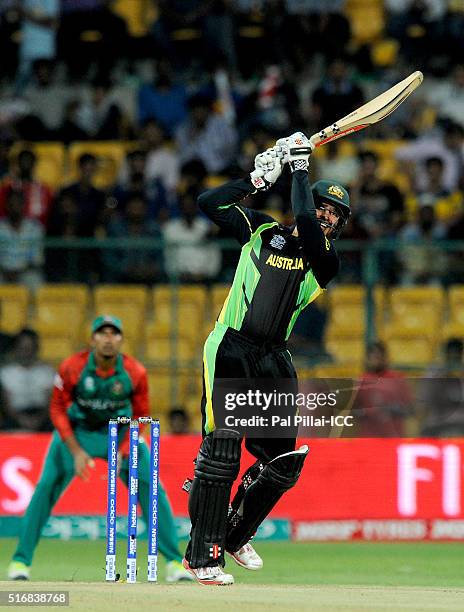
x=92 y=387
x=281 y=270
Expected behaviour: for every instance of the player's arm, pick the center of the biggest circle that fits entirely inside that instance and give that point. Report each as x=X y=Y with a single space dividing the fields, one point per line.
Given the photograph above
x=60 y=403
x=319 y=252
x=222 y=206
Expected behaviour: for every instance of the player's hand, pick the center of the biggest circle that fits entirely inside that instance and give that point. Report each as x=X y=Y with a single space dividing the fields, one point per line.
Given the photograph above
x=295 y=150
x=82 y=463
x=268 y=168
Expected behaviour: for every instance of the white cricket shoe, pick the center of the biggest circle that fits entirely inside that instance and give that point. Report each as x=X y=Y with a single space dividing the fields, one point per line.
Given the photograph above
x=18 y=571
x=209 y=575
x=247 y=557
x=176 y=572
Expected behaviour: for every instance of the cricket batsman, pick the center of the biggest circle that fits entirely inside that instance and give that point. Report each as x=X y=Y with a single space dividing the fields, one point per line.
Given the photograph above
x=91 y=387
x=281 y=270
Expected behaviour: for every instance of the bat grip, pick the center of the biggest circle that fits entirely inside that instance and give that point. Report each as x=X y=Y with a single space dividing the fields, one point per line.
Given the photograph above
x=301 y=151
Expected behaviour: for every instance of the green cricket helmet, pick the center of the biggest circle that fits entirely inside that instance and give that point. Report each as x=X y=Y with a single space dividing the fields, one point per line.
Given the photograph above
x=333 y=193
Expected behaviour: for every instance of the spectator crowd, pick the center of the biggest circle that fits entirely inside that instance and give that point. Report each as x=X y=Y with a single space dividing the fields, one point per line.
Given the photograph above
x=195 y=89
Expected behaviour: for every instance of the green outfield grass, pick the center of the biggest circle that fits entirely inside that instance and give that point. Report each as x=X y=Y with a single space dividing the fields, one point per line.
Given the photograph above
x=326 y=576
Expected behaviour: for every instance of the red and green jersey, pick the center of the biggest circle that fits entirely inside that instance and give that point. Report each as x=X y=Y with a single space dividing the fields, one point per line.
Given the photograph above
x=87 y=396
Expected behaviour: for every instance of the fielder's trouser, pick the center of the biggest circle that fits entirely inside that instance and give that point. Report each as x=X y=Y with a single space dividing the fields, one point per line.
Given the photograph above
x=229 y=354
x=58 y=471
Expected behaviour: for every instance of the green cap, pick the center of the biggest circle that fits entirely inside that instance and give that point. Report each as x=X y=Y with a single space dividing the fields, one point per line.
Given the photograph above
x=334 y=192
x=103 y=320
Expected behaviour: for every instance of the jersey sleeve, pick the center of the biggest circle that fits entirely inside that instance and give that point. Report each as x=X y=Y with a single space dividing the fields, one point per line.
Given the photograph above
x=320 y=252
x=61 y=400
x=222 y=206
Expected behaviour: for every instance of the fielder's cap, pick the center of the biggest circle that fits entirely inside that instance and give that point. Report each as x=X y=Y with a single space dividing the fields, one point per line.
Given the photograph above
x=103 y=320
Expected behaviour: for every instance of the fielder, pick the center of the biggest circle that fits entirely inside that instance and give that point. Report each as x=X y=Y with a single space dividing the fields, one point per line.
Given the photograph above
x=280 y=271
x=90 y=388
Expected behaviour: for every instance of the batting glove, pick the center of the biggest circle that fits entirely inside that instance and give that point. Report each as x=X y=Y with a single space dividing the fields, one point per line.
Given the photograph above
x=295 y=150
x=268 y=168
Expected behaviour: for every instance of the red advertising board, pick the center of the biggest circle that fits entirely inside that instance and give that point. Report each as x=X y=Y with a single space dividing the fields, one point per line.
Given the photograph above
x=406 y=480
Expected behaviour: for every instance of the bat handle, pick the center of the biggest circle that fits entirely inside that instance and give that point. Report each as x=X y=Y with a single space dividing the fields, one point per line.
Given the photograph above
x=301 y=151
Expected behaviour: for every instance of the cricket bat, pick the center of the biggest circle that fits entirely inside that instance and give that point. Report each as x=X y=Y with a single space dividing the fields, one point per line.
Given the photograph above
x=371 y=112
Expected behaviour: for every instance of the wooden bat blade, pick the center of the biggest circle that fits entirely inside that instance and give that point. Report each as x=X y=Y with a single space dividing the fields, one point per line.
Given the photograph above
x=371 y=112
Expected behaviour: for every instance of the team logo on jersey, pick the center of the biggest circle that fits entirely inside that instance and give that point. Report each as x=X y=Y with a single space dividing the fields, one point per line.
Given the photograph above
x=89 y=384
x=117 y=388
x=278 y=242
x=336 y=191
x=327 y=245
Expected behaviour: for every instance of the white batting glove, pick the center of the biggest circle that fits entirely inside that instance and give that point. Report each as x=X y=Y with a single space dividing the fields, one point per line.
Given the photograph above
x=295 y=150
x=268 y=168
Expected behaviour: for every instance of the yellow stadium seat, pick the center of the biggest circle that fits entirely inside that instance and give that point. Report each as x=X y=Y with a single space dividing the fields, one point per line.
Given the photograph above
x=452 y=329
x=346 y=349
x=367 y=20
x=138 y=15
x=347 y=310
x=54 y=347
x=385 y=52
x=127 y=302
x=410 y=350
x=14 y=302
x=167 y=388
x=180 y=311
x=164 y=349
x=51 y=157
x=110 y=156
x=186 y=294
x=219 y=295
x=384 y=148
x=337 y=371
x=417 y=309
x=456 y=304
x=61 y=308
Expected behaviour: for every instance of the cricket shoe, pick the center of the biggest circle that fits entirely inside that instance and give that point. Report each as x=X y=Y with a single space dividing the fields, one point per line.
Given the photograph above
x=18 y=571
x=209 y=575
x=247 y=557
x=176 y=572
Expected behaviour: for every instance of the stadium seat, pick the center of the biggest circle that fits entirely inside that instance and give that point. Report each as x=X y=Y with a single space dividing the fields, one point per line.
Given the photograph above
x=14 y=303
x=55 y=347
x=384 y=148
x=337 y=371
x=452 y=329
x=416 y=309
x=138 y=15
x=347 y=349
x=167 y=388
x=61 y=309
x=128 y=302
x=180 y=311
x=347 y=310
x=110 y=156
x=51 y=157
x=456 y=304
x=160 y=348
x=366 y=18
x=410 y=351
x=219 y=295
